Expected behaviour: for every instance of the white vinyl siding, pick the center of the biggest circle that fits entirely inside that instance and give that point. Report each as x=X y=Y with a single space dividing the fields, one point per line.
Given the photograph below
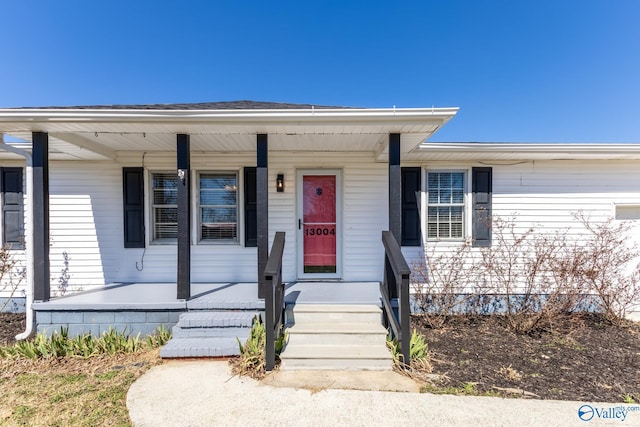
x=86 y=212
x=364 y=217
x=86 y=224
x=218 y=210
x=445 y=204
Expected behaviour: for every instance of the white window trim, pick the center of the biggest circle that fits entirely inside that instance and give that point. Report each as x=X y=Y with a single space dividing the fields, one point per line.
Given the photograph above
x=239 y=207
x=151 y=216
x=466 y=211
x=195 y=211
x=623 y=205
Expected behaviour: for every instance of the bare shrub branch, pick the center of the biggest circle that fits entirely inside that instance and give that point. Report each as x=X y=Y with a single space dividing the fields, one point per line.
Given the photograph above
x=532 y=275
x=11 y=275
x=443 y=283
x=610 y=265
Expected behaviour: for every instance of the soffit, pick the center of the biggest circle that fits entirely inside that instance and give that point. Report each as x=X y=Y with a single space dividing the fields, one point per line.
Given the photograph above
x=99 y=134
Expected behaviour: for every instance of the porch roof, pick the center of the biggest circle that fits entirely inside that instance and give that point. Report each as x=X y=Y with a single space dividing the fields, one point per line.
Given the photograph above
x=100 y=132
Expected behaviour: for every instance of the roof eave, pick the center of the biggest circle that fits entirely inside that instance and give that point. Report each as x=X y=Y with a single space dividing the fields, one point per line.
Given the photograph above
x=283 y=115
x=528 y=151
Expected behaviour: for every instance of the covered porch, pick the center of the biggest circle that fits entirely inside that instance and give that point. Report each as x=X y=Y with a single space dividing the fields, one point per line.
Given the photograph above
x=187 y=193
x=256 y=144
x=144 y=307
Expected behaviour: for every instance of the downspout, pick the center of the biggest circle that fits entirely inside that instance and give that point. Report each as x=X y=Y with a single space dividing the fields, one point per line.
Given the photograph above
x=30 y=322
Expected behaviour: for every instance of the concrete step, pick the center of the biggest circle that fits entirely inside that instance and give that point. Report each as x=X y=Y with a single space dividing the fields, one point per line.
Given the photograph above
x=335 y=337
x=202 y=347
x=228 y=304
x=209 y=334
x=332 y=357
x=336 y=313
x=217 y=319
x=179 y=332
x=339 y=334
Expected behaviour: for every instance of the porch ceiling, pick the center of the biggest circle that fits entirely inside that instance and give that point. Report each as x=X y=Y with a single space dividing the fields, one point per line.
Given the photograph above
x=101 y=134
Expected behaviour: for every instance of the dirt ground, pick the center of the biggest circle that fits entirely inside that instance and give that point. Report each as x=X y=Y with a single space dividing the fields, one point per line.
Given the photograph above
x=11 y=324
x=584 y=358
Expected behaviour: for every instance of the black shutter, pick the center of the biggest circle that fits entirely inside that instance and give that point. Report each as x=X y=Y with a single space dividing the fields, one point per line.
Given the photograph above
x=133 y=202
x=12 y=208
x=410 y=212
x=482 y=188
x=250 y=208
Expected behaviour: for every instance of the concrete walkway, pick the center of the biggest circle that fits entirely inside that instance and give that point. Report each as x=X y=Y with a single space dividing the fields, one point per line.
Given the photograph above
x=203 y=393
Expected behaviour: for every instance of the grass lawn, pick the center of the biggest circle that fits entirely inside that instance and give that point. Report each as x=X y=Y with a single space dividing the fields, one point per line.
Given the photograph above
x=71 y=390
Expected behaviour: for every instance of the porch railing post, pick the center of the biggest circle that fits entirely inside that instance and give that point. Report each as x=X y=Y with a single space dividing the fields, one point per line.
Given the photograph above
x=395 y=193
x=403 y=312
x=269 y=305
x=184 y=216
x=396 y=275
x=274 y=299
x=395 y=190
x=40 y=209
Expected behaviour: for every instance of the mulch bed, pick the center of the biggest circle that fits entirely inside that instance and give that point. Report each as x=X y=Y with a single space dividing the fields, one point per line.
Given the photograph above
x=11 y=324
x=583 y=358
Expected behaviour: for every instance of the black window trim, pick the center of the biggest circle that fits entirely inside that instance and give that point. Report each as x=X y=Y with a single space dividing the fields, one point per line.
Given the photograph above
x=19 y=245
x=129 y=241
x=408 y=205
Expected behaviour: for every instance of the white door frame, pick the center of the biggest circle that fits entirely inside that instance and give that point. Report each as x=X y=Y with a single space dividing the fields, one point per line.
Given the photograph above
x=299 y=235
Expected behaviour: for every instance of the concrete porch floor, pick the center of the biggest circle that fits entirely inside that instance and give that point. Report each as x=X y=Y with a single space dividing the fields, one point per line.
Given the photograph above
x=162 y=296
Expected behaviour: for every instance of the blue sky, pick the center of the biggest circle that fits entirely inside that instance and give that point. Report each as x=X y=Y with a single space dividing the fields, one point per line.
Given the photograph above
x=524 y=71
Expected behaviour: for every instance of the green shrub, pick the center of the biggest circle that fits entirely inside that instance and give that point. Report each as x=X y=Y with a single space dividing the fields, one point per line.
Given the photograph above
x=159 y=338
x=418 y=352
x=252 y=359
x=60 y=345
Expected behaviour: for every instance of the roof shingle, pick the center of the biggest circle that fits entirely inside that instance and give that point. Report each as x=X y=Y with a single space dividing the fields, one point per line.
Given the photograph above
x=224 y=105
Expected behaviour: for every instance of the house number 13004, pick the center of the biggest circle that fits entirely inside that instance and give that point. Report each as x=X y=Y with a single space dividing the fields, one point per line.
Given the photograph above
x=319 y=231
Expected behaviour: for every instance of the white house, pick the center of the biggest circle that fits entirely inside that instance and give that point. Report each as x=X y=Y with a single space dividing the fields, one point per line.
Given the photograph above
x=189 y=194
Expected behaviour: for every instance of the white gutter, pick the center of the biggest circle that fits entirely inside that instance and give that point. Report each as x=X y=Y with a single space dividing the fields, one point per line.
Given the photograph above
x=30 y=326
x=46 y=119
x=526 y=147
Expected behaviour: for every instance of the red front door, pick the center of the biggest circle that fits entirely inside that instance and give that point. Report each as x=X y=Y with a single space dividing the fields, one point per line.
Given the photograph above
x=319 y=227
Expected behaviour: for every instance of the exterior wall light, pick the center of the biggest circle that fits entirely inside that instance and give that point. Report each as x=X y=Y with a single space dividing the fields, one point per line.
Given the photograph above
x=280 y=183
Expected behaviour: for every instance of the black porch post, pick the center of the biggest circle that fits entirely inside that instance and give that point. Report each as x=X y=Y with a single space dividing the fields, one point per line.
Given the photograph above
x=40 y=154
x=395 y=190
x=184 y=217
x=262 y=208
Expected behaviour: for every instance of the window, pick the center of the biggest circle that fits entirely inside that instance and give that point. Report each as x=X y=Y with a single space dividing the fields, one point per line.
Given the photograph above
x=164 y=187
x=218 y=212
x=445 y=206
x=627 y=212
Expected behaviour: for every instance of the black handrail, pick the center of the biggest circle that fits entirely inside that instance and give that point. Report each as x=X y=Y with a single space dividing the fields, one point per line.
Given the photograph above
x=395 y=284
x=274 y=298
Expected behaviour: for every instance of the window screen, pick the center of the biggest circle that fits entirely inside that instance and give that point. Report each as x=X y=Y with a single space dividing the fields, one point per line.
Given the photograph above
x=165 y=210
x=445 y=208
x=218 y=206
